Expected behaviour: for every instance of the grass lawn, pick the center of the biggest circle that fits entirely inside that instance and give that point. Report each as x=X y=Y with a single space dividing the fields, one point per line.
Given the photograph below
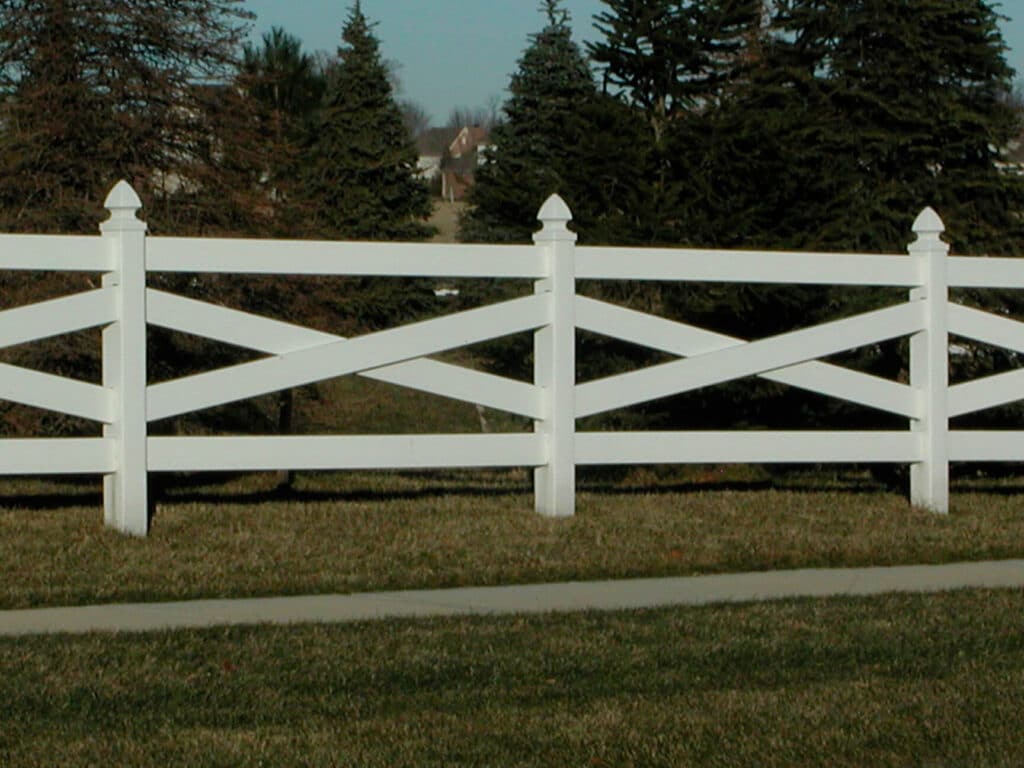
x=891 y=681
x=348 y=533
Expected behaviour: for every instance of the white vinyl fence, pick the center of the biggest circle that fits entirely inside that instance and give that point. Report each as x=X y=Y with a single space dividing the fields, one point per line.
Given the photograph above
x=125 y=403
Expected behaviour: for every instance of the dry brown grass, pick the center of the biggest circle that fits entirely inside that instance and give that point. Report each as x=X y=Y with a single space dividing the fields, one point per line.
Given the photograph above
x=347 y=533
x=446 y=219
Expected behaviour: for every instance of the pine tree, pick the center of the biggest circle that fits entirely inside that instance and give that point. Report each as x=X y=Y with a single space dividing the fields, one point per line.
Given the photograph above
x=858 y=114
x=675 y=63
x=359 y=180
x=869 y=110
x=285 y=86
x=669 y=57
x=93 y=92
x=910 y=109
x=536 y=150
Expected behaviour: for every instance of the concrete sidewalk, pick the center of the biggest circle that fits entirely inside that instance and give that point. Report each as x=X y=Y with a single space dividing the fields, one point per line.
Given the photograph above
x=537 y=598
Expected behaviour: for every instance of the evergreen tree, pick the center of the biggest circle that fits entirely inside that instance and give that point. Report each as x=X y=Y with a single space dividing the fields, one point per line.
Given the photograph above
x=676 y=63
x=359 y=178
x=878 y=109
x=286 y=86
x=858 y=114
x=537 y=150
x=671 y=58
x=93 y=92
x=908 y=104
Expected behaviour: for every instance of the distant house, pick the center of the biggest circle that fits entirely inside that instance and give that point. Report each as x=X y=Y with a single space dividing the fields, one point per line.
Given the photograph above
x=451 y=155
x=432 y=146
x=465 y=153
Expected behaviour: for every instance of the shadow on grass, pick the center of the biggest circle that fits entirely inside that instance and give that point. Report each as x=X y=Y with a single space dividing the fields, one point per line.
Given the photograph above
x=50 y=501
x=276 y=495
x=215 y=488
x=208 y=495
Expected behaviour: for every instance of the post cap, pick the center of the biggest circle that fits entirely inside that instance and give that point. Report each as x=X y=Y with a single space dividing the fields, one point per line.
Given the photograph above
x=124 y=204
x=555 y=216
x=929 y=223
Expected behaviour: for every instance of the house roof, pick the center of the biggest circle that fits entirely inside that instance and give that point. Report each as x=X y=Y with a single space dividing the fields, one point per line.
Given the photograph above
x=468 y=139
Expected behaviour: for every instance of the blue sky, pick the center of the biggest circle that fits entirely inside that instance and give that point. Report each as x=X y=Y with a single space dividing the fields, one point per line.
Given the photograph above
x=462 y=52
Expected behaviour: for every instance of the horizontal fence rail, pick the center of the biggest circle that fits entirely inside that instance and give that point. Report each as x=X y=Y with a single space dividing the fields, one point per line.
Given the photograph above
x=192 y=454
x=256 y=257
x=746 y=267
x=55 y=253
x=292 y=355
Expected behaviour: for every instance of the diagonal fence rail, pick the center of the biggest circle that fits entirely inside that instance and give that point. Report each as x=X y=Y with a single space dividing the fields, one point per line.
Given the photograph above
x=292 y=355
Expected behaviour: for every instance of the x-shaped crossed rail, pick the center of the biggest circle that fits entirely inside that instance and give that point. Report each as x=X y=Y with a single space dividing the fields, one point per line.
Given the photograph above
x=302 y=356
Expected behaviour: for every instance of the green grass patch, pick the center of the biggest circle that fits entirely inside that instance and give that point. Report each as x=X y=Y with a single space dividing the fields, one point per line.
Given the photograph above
x=351 y=533
x=889 y=681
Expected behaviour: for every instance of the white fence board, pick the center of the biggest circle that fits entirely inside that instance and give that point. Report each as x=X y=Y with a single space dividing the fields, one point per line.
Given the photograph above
x=55 y=393
x=56 y=456
x=674 y=264
x=341 y=358
x=751 y=359
x=54 y=253
x=230 y=326
x=300 y=257
x=56 y=316
x=186 y=454
x=985 y=272
x=278 y=338
x=986 y=327
x=486 y=389
x=688 y=341
x=987 y=392
x=994 y=445
x=609 y=448
x=401 y=356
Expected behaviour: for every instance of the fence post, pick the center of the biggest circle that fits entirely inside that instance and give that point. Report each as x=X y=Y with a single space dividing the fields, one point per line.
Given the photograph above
x=125 y=492
x=929 y=366
x=554 y=352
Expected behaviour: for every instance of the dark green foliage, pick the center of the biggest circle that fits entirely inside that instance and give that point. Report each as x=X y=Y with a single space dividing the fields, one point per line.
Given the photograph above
x=284 y=78
x=539 y=149
x=675 y=63
x=860 y=115
x=285 y=86
x=358 y=177
x=829 y=128
x=670 y=58
x=864 y=112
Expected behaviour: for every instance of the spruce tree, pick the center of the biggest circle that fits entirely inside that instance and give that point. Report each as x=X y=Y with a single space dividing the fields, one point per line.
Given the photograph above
x=536 y=150
x=359 y=180
x=285 y=86
x=908 y=100
x=908 y=107
x=93 y=92
x=670 y=57
x=676 y=63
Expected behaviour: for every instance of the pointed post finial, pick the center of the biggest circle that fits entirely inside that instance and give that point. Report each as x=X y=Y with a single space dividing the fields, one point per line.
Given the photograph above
x=928 y=223
x=928 y=227
x=555 y=216
x=124 y=204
